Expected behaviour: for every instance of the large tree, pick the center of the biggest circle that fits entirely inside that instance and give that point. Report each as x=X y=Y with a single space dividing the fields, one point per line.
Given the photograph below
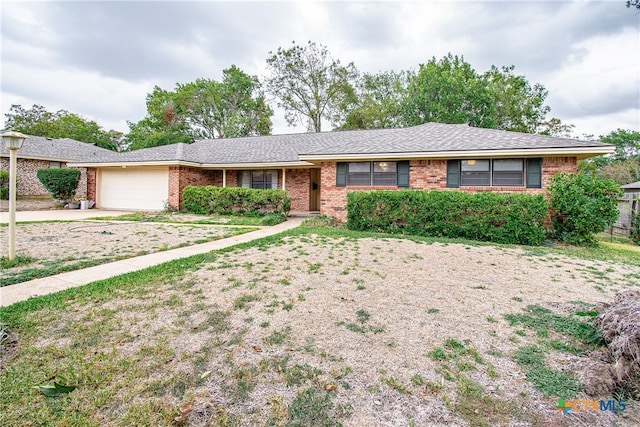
x=518 y=105
x=310 y=85
x=204 y=108
x=231 y=108
x=379 y=101
x=38 y=121
x=449 y=90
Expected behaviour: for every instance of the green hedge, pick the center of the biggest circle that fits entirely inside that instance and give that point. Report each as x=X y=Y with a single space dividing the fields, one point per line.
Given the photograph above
x=234 y=200
x=60 y=182
x=4 y=185
x=500 y=218
x=582 y=205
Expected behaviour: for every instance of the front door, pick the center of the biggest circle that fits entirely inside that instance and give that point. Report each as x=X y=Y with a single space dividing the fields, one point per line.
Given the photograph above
x=314 y=191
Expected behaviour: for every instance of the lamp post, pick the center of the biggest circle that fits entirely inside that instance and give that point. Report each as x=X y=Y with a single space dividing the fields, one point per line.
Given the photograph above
x=13 y=142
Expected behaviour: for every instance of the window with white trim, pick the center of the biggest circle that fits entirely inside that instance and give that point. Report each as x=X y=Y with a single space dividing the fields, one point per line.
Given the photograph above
x=258 y=178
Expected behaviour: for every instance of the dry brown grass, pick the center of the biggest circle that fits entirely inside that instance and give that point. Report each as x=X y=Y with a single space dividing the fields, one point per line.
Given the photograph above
x=335 y=328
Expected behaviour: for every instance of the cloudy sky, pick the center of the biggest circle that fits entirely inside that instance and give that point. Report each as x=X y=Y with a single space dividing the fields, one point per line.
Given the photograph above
x=100 y=59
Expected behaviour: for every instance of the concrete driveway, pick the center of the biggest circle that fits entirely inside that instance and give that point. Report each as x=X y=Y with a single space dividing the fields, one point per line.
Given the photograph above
x=59 y=215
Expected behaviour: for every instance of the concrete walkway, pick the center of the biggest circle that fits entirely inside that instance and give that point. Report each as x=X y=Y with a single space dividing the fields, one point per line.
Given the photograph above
x=47 y=285
x=59 y=215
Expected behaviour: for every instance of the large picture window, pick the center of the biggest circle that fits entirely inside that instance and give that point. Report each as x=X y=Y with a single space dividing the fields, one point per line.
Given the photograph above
x=372 y=173
x=495 y=173
x=260 y=179
x=383 y=174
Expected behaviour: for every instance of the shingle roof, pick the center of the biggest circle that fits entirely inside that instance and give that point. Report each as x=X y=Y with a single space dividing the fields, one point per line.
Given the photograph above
x=631 y=186
x=293 y=148
x=39 y=147
x=434 y=137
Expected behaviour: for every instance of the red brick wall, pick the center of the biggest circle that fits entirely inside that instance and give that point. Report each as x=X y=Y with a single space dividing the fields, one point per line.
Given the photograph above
x=297 y=183
x=428 y=175
x=28 y=183
x=91 y=184
x=181 y=176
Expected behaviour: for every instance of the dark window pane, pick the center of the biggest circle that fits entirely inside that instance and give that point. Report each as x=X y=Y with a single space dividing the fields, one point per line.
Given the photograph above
x=508 y=172
x=385 y=173
x=257 y=179
x=359 y=173
x=475 y=178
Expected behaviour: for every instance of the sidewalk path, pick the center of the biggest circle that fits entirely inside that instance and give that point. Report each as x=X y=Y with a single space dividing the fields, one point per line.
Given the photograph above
x=47 y=285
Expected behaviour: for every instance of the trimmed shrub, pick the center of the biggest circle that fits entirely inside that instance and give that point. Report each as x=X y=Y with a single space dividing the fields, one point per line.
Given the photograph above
x=500 y=218
x=209 y=200
x=60 y=182
x=581 y=206
x=4 y=185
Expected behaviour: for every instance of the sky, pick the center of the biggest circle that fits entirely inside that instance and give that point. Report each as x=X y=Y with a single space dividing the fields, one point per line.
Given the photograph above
x=100 y=59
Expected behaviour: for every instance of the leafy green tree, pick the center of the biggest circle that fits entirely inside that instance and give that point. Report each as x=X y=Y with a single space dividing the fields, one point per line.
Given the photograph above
x=581 y=206
x=231 y=108
x=379 y=101
x=621 y=171
x=60 y=182
x=627 y=143
x=518 y=105
x=633 y=4
x=38 y=121
x=310 y=85
x=204 y=108
x=449 y=91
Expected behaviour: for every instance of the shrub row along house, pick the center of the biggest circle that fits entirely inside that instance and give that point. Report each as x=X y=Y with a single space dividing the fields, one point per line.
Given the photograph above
x=319 y=169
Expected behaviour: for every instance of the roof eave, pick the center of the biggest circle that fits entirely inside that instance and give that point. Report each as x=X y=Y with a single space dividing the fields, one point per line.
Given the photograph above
x=579 y=152
x=133 y=164
x=256 y=165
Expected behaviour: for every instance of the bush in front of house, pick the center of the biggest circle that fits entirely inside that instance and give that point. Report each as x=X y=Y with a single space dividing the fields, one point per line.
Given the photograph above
x=4 y=185
x=60 y=182
x=210 y=200
x=634 y=233
x=582 y=205
x=500 y=218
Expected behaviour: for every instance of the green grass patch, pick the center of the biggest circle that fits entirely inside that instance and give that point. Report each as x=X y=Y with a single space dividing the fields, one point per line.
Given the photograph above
x=184 y=218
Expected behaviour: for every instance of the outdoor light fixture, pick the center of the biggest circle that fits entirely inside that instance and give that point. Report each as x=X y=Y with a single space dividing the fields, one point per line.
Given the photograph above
x=471 y=162
x=13 y=142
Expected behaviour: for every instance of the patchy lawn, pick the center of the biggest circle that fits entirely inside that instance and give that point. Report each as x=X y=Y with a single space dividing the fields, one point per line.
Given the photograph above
x=316 y=328
x=48 y=248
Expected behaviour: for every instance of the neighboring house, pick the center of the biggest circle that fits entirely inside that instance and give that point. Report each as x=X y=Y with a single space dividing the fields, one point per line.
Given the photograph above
x=318 y=169
x=627 y=205
x=38 y=152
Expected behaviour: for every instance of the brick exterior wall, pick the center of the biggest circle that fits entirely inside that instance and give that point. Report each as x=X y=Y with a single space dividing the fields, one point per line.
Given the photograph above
x=92 y=184
x=298 y=184
x=28 y=183
x=427 y=175
x=181 y=176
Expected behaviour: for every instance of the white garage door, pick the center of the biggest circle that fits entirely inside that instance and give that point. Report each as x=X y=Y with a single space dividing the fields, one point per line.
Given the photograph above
x=133 y=188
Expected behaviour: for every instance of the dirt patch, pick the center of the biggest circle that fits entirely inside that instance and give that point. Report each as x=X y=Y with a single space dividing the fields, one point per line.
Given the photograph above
x=35 y=204
x=62 y=244
x=247 y=336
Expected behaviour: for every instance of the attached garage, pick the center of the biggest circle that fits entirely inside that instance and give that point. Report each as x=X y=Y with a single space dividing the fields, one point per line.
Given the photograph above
x=132 y=188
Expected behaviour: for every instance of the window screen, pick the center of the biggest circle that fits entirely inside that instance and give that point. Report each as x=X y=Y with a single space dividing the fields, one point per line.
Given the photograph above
x=508 y=172
x=475 y=172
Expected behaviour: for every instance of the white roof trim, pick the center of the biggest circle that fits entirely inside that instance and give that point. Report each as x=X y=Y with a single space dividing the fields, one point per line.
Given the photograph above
x=30 y=157
x=132 y=164
x=261 y=165
x=519 y=152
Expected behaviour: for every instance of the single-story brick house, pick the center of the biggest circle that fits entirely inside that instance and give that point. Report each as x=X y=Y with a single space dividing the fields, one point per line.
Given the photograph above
x=41 y=153
x=318 y=169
